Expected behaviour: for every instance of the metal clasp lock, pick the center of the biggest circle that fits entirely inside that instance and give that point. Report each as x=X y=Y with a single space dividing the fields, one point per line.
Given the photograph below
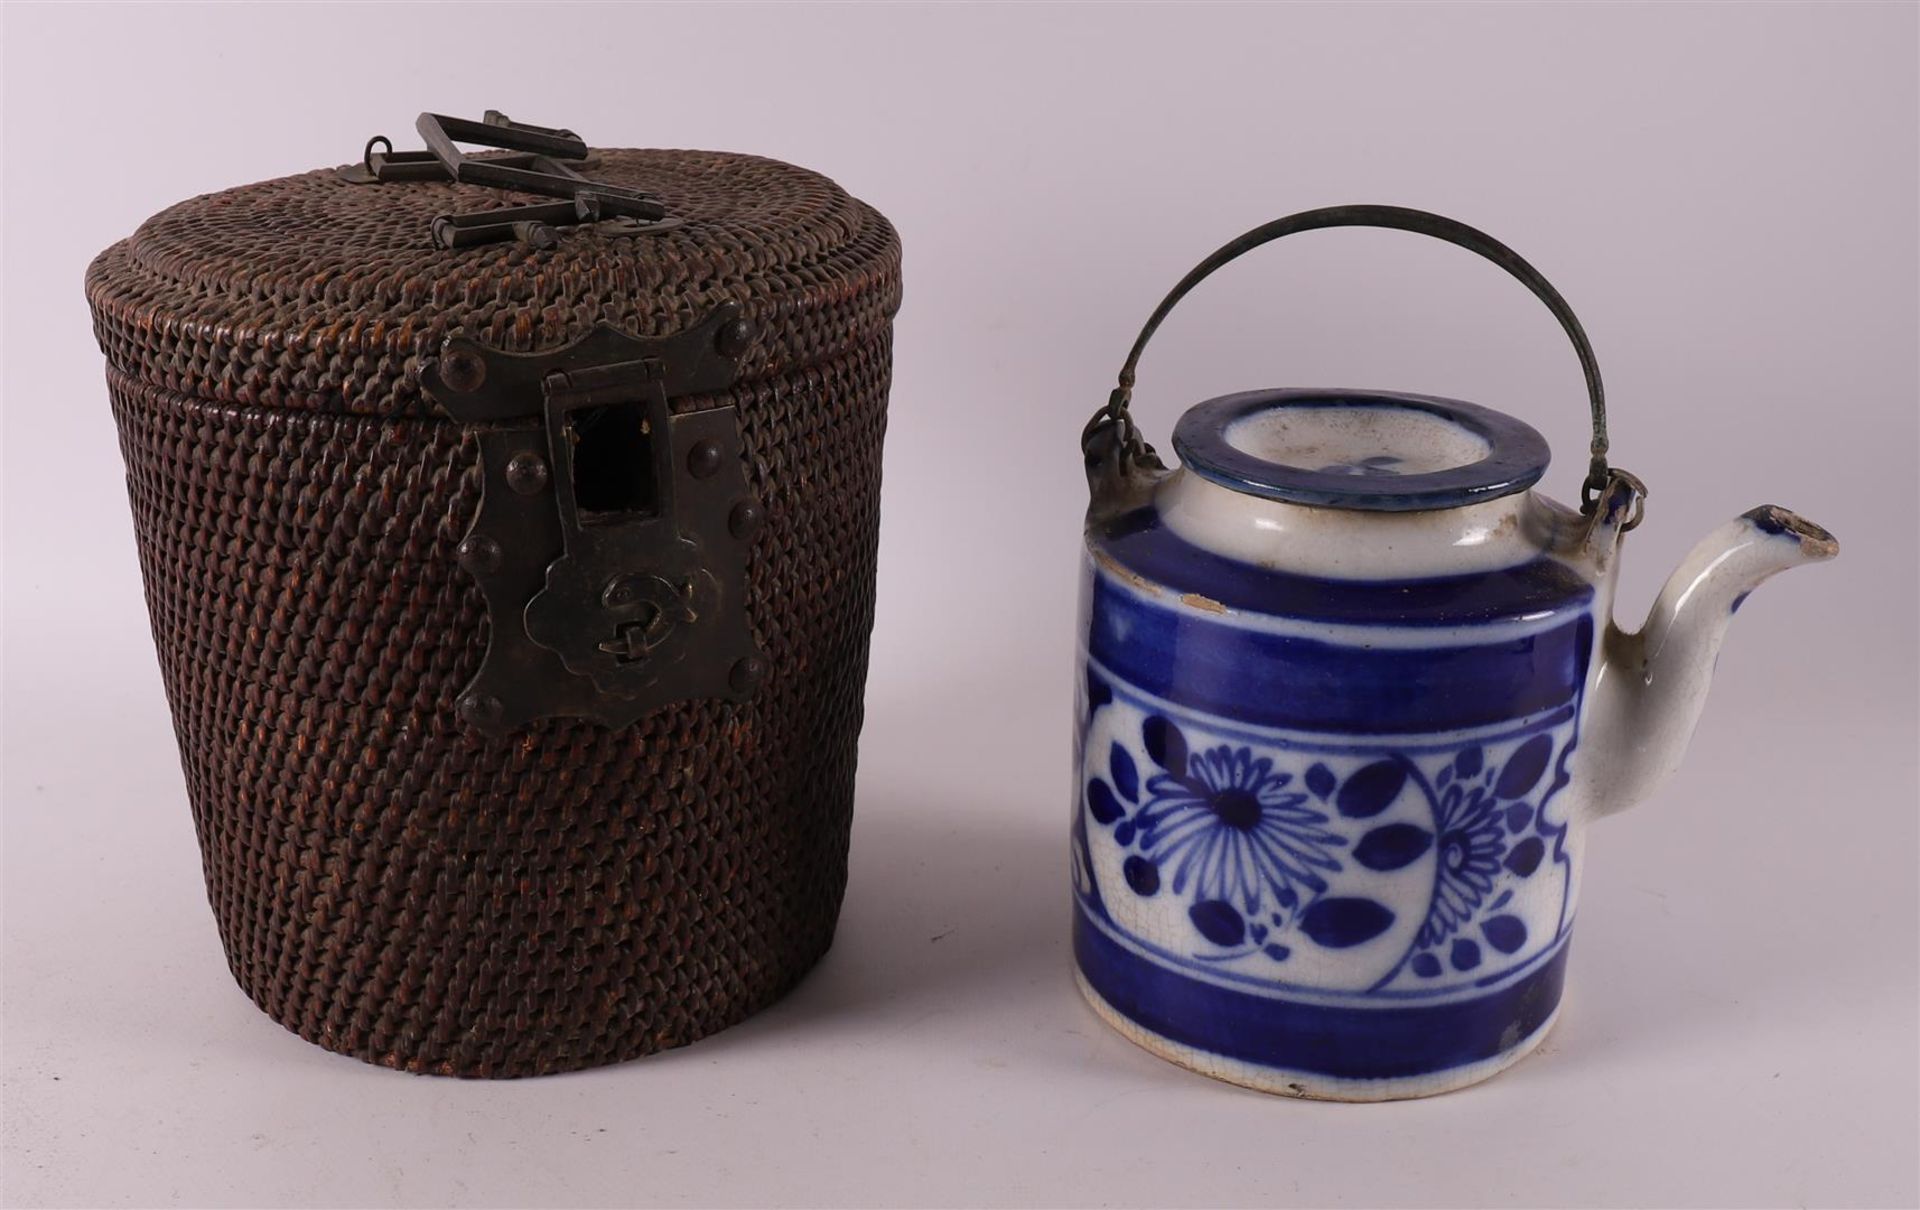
x=611 y=541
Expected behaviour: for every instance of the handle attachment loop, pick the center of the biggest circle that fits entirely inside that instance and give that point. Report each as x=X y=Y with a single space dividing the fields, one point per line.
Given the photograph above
x=1112 y=432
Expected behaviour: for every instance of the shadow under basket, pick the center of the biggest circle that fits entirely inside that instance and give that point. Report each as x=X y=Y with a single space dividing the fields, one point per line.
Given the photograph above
x=512 y=598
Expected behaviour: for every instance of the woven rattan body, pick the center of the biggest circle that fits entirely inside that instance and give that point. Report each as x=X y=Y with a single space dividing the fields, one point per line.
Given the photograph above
x=389 y=883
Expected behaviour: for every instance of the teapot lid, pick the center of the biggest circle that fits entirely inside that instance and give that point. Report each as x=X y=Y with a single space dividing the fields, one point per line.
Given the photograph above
x=1369 y=451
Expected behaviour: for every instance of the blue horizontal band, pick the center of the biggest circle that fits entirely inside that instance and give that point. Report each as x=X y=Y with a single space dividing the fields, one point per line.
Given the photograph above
x=1345 y=1042
x=1279 y=680
x=1139 y=542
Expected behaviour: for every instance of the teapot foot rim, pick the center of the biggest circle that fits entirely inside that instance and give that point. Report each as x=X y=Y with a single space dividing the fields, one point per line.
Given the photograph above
x=1304 y=1085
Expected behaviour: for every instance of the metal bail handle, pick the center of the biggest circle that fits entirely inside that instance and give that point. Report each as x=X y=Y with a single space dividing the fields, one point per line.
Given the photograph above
x=1113 y=424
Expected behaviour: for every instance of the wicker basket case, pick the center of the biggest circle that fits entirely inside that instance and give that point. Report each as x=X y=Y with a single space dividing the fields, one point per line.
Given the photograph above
x=512 y=599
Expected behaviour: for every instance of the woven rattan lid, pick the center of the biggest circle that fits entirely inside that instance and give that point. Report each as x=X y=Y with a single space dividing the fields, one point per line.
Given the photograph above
x=316 y=292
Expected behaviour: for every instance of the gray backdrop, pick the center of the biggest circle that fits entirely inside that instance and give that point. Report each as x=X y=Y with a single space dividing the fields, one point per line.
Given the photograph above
x=1726 y=193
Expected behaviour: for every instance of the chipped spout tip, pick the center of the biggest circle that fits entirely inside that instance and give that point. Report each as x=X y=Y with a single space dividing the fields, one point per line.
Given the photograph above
x=1815 y=542
x=1655 y=681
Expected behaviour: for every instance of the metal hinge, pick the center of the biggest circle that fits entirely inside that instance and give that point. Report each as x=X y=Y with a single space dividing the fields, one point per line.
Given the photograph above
x=612 y=538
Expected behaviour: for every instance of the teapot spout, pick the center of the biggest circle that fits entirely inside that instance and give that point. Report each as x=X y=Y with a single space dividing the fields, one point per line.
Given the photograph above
x=1652 y=684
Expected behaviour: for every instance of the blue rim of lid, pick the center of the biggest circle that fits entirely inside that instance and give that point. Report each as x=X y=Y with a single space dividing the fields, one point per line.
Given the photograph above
x=1516 y=456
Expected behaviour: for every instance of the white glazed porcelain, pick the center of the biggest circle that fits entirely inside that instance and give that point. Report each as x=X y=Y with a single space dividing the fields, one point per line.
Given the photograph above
x=1351 y=696
x=1336 y=769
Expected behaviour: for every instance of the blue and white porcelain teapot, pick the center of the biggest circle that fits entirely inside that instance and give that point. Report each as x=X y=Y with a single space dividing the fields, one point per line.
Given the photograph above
x=1351 y=696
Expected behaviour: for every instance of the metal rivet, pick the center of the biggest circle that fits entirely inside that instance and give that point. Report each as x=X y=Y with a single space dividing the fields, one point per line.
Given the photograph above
x=734 y=338
x=620 y=592
x=463 y=370
x=703 y=459
x=481 y=709
x=527 y=472
x=747 y=673
x=744 y=521
x=479 y=553
x=541 y=237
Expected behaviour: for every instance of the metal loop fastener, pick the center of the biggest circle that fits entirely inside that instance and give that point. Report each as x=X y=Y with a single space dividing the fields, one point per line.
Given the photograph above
x=538 y=164
x=1590 y=497
x=1396 y=218
x=366 y=157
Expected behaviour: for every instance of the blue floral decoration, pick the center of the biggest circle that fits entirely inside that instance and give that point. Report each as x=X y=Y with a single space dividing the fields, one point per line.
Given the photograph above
x=1473 y=839
x=1234 y=830
x=1251 y=849
x=1475 y=820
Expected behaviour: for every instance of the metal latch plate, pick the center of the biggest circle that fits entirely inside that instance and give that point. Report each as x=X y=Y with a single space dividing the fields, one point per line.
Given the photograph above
x=612 y=538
